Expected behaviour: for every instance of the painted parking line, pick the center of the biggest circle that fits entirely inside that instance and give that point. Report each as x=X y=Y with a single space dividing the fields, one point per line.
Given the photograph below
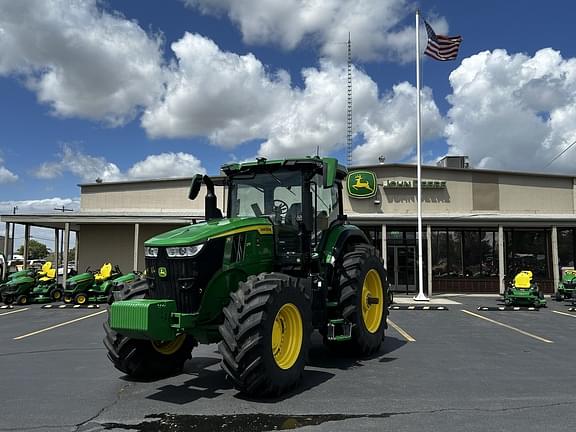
x=419 y=308
x=564 y=313
x=508 y=308
x=71 y=306
x=59 y=325
x=404 y=334
x=14 y=311
x=525 y=333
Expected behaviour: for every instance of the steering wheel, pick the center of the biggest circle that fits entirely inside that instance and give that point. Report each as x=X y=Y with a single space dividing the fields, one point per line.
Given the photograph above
x=280 y=206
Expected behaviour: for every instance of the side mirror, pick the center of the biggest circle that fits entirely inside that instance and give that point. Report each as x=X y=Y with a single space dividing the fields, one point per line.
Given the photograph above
x=195 y=186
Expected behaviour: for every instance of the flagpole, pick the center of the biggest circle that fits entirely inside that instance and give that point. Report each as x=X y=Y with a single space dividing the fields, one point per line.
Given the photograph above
x=421 y=296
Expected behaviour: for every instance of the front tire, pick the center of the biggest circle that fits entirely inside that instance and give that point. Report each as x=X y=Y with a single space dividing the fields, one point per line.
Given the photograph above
x=363 y=300
x=144 y=359
x=266 y=334
x=22 y=300
x=56 y=294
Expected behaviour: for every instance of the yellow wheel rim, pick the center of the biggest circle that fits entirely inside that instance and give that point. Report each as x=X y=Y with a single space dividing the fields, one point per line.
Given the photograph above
x=169 y=347
x=67 y=299
x=23 y=300
x=287 y=335
x=372 y=301
x=81 y=299
x=57 y=295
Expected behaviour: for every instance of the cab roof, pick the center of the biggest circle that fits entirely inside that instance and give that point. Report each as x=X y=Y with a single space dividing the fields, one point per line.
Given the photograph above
x=329 y=166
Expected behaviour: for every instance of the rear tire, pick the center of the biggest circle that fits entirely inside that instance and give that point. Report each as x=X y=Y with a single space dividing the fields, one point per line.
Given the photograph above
x=81 y=298
x=363 y=300
x=266 y=334
x=144 y=359
x=22 y=300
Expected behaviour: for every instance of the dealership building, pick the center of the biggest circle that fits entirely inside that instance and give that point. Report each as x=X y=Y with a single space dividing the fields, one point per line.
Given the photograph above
x=478 y=225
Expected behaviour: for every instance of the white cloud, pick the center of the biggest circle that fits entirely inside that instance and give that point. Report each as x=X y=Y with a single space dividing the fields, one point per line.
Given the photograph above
x=6 y=176
x=376 y=26
x=222 y=95
x=513 y=111
x=79 y=59
x=166 y=165
x=89 y=168
x=390 y=127
x=46 y=205
x=232 y=99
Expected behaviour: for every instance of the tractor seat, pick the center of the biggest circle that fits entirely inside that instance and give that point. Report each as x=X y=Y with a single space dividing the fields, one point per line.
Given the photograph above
x=50 y=274
x=45 y=268
x=523 y=279
x=104 y=273
x=292 y=213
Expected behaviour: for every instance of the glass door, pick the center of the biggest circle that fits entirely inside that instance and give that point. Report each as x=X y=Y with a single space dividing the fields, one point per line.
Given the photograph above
x=402 y=268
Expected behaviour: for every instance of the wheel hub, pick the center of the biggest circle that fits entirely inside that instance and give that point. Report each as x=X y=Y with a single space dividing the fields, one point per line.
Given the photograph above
x=287 y=336
x=372 y=301
x=169 y=347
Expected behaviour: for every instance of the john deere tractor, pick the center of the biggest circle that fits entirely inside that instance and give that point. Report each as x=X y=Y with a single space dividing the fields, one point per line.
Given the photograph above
x=28 y=286
x=93 y=287
x=283 y=262
x=523 y=291
x=567 y=286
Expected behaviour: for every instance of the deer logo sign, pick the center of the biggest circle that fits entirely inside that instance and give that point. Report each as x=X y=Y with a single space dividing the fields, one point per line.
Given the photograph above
x=361 y=184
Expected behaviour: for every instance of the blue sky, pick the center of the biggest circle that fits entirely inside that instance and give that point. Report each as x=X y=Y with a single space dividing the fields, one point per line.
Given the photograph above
x=128 y=89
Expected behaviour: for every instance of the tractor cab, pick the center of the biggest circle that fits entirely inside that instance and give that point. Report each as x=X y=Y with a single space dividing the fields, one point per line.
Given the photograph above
x=300 y=198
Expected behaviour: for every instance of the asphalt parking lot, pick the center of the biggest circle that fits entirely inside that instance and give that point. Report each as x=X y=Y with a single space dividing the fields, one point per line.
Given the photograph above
x=438 y=370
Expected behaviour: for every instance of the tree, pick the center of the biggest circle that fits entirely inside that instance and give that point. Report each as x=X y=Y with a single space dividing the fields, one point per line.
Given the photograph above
x=36 y=250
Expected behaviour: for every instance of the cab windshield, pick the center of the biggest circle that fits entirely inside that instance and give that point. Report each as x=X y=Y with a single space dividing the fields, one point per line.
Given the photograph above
x=275 y=194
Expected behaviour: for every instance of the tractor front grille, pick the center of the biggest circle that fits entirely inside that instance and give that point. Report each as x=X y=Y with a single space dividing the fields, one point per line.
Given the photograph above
x=569 y=285
x=184 y=279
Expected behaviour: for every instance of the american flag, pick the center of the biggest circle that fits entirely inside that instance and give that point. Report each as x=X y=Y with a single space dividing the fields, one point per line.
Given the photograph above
x=441 y=48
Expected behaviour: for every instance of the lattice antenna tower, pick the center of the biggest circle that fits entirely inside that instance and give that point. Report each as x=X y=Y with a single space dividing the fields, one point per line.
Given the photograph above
x=349 y=106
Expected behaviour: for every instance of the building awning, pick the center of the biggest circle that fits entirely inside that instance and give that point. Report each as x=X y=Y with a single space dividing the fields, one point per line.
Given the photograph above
x=58 y=221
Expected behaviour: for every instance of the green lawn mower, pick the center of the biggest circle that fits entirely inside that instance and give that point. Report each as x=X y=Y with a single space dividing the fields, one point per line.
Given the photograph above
x=122 y=283
x=283 y=262
x=522 y=291
x=32 y=287
x=567 y=287
x=89 y=287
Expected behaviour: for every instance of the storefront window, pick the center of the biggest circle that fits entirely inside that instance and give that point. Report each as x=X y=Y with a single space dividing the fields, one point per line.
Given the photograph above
x=439 y=253
x=527 y=250
x=464 y=253
x=566 y=247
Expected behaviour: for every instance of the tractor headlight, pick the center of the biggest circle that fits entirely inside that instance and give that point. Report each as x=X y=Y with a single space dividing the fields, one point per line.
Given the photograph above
x=184 y=251
x=151 y=252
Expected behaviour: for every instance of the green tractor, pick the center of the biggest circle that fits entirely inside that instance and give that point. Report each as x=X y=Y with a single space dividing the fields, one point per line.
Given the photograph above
x=90 y=287
x=284 y=262
x=28 y=286
x=567 y=286
x=523 y=291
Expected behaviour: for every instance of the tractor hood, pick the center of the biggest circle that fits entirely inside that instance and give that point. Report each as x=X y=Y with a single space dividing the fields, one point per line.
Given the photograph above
x=19 y=280
x=201 y=232
x=79 y=278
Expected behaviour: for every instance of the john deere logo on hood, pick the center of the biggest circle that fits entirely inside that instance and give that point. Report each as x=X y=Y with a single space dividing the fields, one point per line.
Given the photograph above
x=162 y=272
x=361 y=184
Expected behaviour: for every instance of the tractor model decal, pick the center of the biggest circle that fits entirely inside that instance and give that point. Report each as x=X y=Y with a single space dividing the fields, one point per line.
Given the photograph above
x=162 y=272
x=361 y=184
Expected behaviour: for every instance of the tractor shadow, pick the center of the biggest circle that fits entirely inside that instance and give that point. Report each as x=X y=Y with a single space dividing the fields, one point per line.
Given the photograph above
x=323 y=357
x=207 y=382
